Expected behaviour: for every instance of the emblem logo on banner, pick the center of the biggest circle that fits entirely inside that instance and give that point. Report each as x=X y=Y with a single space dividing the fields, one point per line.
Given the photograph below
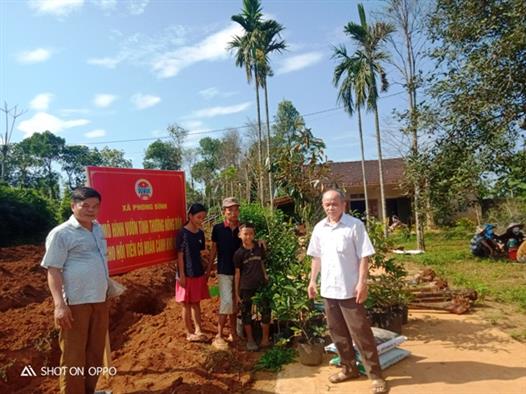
x=143 y=189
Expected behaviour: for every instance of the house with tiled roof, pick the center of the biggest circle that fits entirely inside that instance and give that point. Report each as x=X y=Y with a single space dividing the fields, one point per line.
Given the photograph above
x=348 y=175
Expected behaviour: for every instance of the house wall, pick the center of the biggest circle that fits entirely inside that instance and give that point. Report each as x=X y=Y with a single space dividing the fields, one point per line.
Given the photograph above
x=396 y=202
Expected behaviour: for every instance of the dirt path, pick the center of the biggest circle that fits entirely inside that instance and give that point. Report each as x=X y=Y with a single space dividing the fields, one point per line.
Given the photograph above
x=450 y=354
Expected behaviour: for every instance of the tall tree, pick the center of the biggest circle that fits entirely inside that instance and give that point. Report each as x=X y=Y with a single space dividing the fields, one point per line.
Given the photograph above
x=113 y=158
x=286 y=121
x=74 y=159
x=350 y=74
x=245 y=47
x=269 y=42
x=408 y=17
x=369 y=40
x=47 y=149
x=479 y=95
x=207 y=169
x=162 y=155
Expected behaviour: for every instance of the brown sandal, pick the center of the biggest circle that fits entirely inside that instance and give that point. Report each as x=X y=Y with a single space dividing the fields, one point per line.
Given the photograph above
x=343 y=376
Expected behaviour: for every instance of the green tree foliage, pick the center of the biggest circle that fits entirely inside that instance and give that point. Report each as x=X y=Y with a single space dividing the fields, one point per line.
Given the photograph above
x=166 y=155
x=112 y=158
x=46 y=149
x=162 y=155
x=300 y=169
x=480 y=100
x=27 y=216
x=286 y=121
x=74 y=160
x=252 y=49
x=287 y=266
x=480 y=46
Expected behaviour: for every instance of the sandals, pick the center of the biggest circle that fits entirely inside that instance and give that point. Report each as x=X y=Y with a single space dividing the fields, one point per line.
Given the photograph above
x=344 y=376
x=379 y=386
x=196 y=337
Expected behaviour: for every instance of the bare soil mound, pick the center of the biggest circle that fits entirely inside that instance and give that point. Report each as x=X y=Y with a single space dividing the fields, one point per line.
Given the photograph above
x=149 y=349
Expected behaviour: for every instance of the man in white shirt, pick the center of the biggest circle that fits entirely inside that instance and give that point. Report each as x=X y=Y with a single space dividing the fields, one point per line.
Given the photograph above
x=340 y=250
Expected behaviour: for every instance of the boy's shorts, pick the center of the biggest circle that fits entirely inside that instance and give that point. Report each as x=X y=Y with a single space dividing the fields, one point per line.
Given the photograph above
x=226 y=295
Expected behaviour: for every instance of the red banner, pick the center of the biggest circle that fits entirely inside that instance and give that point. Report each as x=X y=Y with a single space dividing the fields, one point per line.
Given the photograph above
x=141 y=211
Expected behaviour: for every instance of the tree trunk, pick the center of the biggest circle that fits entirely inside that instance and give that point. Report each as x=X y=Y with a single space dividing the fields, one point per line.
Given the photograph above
x=260 y=150
x=270 y=183
x=380 y=168
x=364 y=179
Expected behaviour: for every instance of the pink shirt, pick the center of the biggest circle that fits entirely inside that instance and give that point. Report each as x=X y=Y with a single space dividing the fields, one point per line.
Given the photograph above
x=340 y=247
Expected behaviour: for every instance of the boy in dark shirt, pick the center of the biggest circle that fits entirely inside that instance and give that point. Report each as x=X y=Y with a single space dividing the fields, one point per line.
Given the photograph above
x=251 y=276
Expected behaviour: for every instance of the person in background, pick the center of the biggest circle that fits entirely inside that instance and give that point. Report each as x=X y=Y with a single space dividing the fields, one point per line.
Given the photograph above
x=250 y=278
x=77 y=272
x=340 y=250
x=484 y=242
x=193 y=272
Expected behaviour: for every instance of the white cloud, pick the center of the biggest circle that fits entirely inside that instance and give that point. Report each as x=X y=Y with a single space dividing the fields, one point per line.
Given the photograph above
x=103 y=100
x=95 y=133
x=142 y=101
x=209 y=93
x=211 y=112
x=36 y=56
x=139 y=49
x=298 y=62
x=62 y=8
x=56 y=7
x=43 y=121
x=211 y=48
x=107 y=62
x=74 y=111
x=192 y=124
x=41 y=101
x=212 y=92
x=137 y=7
x=105 y=5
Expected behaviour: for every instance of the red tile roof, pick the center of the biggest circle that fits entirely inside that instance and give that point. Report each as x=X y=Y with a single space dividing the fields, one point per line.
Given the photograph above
x=350 y=172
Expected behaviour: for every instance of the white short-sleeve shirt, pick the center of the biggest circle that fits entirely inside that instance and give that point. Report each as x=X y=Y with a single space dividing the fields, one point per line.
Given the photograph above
x=340 y=247
x=82 y=256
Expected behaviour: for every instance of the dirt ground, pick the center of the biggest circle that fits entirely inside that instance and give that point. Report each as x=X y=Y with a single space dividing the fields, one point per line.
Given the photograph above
x=453 y=354
x=147 y=335
x=456 y=354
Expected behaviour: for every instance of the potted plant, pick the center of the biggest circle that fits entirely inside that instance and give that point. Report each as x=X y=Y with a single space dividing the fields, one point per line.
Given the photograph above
x=309 y=331
x=388 y=297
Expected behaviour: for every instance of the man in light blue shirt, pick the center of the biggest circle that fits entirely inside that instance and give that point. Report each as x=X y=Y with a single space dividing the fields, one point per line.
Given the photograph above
x=78 y=279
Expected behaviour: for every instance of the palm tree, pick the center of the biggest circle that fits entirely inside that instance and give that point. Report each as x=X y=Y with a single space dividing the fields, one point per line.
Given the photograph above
x=269 y=42
x=369 y=39
x=351 y=74
x=246 y=47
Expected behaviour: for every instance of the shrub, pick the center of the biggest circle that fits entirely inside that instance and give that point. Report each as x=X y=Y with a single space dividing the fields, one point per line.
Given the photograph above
x=287 y=266
x=27 y=216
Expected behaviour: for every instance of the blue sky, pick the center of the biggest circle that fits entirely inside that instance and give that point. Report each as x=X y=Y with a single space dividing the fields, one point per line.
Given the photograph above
x=97 y=71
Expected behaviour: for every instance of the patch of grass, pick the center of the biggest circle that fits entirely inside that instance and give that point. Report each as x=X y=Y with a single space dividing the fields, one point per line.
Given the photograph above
x=274 y=358
x=451 y=258
x=519 y=335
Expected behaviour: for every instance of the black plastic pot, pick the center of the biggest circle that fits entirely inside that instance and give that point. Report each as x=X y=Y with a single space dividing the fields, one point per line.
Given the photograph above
x=388 y=318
